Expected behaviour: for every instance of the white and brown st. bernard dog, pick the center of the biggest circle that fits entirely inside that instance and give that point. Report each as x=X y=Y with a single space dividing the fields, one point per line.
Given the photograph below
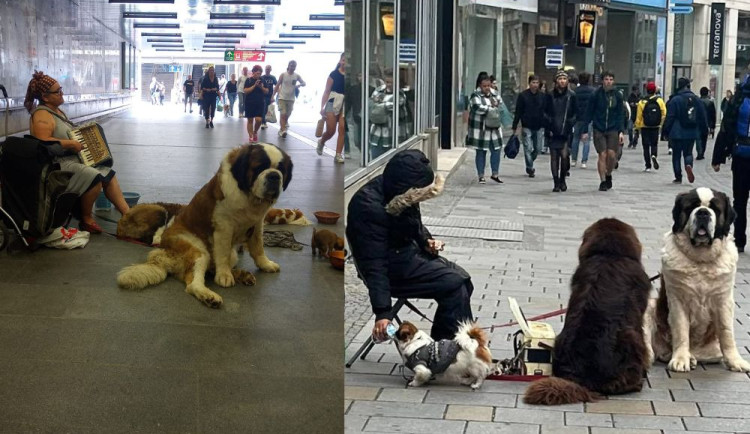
x=226 y=212
x=693 y=318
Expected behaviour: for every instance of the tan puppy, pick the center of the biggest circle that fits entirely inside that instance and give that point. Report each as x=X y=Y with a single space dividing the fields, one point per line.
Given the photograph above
x=325 y=242
x=146 y=222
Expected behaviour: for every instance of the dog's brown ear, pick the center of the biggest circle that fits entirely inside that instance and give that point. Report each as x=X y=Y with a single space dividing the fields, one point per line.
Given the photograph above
x=406 y=331
x=679 y=214
x=286 y=168
x=726 y=215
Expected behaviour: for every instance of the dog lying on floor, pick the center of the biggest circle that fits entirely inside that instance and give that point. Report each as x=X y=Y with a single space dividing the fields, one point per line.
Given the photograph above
x=465 y=359
x=601 y=348
x=693 y=319
x=227 y=211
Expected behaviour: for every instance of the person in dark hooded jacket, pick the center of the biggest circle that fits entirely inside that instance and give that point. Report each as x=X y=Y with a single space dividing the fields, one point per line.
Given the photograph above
x=396 y=255
x=685 y=122
x=560 y=116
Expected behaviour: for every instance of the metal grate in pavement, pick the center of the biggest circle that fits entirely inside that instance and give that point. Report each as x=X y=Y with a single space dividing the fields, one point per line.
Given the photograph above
x=483 y=234
x=455 y=222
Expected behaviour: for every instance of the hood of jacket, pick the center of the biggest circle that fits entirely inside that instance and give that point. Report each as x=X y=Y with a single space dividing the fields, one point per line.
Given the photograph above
x=406 y=170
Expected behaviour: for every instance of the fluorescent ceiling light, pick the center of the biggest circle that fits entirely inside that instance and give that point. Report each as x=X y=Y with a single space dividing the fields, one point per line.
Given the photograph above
x=149 y=14
x=155 y=26
x=167 y=46
x=221 y=41
x=251 y=16
x=247 y=2
x=226 y=35
x=275 y=51
x=164 y=40
x=273 y=41
x=169 y=49
x=321 y=28
x=231 y=26
x=289 y=47
x=326 y=17
x=166 y=35
x=142 y=1
x=299 y=35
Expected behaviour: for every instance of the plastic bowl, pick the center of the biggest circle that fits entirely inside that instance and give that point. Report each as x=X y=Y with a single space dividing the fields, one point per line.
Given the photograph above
x=327 y=217
x=337 y=258
x=131 y=198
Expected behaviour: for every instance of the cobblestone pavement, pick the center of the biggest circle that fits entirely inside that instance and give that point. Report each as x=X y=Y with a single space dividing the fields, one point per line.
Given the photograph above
x=537 y=270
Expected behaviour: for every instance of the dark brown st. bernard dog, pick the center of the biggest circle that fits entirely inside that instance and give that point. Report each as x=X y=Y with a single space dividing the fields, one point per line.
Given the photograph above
x=226 y=212
x=693 y=319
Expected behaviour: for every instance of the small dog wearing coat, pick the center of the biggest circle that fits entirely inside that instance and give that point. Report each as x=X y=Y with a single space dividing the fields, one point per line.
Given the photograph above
x=325 y=242
x=465 y=359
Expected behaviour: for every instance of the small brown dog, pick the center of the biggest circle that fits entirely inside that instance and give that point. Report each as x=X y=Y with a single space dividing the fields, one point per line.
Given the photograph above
x=326 y=241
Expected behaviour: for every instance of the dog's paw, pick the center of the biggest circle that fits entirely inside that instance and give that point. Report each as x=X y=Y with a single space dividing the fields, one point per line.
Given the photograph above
x=477 y=384
x=224 y=278
x=244 y=277
x=679 y=363
x=414 y=383
x=737 y=364
x=209 y=298
x=693 y=362
x=268 y=265
x=649 y=357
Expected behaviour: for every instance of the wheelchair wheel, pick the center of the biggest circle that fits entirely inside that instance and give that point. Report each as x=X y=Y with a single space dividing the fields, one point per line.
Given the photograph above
x=4 y=236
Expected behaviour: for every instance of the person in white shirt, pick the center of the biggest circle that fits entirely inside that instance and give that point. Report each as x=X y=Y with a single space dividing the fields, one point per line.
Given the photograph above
x=240 y=88
x=289 y=81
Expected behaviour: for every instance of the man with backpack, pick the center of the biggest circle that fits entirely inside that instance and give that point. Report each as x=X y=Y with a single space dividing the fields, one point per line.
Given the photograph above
x=685 y=122
x=711 y=115
x=651 y=112
x=733 y=141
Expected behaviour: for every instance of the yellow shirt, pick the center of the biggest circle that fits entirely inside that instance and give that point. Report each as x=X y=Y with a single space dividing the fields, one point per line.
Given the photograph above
x=642 y=104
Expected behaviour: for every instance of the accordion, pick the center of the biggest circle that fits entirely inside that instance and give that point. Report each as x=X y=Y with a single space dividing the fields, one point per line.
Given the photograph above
x=95 y=150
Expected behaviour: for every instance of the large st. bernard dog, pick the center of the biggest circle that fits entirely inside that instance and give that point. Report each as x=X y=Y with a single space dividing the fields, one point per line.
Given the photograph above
x=693 y=318
x=226 y=212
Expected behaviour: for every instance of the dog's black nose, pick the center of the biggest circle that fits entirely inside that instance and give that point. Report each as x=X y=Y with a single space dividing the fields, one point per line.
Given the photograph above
x=703 y=213
x=273 y=176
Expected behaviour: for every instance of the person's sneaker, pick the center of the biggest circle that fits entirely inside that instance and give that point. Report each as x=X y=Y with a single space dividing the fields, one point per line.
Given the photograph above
x=255 y=138
x=677 y=181
x=339 y=159
x=347 y=155
x=669 y=151
x=557 y=187
x=690 y=175
x=211 y=124
x=283 y=134
x=583 y=165
x=700 y=157
x=496 y=179
x=648 y=169
x=654 y=162
x=482 y=180
x=740 y=249
x=191 y=111
x=563 y=185
x=603 y=186
x=320 y=147
x=263 y=126
x=207 y=126
x=530 y=172
x=573 y=163
x=608 y=181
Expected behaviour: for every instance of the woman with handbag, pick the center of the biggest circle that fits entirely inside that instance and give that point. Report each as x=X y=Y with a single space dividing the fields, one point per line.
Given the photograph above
x=381 y=106
x=254 y=92
x=559 y=118
x=332 y=106
x=484 y=127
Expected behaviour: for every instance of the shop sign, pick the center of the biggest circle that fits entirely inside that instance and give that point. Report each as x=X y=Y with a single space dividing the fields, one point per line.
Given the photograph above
x=244 y=55
x=554 y=57
x=679 y=37
x=586 y=29
x=716 y=44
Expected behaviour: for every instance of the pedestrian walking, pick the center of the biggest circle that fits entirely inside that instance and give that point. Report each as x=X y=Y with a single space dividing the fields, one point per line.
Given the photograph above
x=606 y=111
x=733 y=141
x=210 y=89
x=381 y=105
x=685 y=122
x=710 y=107
x=332 y=106
x=287 y=88
x=560 y=116
x=188 y=87
x=231 y=92
x=633 y=100
x=584 y=92
x=240 y=91
x=484 y=136
x=530 y=114
x=650 y=115
x=726 y=101
x=269 y=82
x=254 y=102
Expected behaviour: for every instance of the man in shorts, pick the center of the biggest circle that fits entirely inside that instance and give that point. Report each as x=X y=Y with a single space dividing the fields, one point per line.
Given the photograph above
x=607 y=113
x=289 y=82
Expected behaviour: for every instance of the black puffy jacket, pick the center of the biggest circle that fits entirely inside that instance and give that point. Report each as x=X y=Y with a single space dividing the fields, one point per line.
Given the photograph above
x=560 y=113
x=373 y=231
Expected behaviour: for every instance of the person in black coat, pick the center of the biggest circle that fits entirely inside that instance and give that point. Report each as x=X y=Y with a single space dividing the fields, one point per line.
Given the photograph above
x=559 y=117
x=633 y=134
x=396 y=255
x=711 y=116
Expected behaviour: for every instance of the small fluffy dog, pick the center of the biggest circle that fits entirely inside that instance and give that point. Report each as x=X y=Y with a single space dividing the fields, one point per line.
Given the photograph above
x=146 y=222
x=466 y=359
x=693 y=318
x=226 y=212
x=601 y=348
x=325 y=241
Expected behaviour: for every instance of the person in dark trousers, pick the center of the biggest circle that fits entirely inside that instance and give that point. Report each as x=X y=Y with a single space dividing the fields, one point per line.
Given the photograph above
x=210 y=88
x=269 y=82
x=584 y=91
x=396 y=255
x=633 y=99
x=529 y=112
x=650 y=115
x=686 y=121
x=731 y=143
x=188 y=86
x=726 y=102
x=607 y=113
x=560 y=116
x=711 y=117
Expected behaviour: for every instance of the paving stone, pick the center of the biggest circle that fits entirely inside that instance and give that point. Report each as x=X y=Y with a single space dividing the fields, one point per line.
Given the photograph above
x=675 y=408
x=716 y=424
x=647 y=422
x=361 y=393
x=538 y=415
x=396 y=409
x=587 y=419
x=709 y=409
x=668 y=383
x=354 y=423
x=620 y=407
x=501 y=428
x=413 y=425
x=403 y=395
x=710 y=396
x=471 y=398
x=623 y=431
x=469 y=412
x=564 y=430
x=577 y=408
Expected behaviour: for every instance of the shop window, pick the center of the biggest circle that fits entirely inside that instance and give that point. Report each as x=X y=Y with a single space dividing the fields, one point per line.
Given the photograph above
x=384 y=97
x=407 y=66
x=355 y=144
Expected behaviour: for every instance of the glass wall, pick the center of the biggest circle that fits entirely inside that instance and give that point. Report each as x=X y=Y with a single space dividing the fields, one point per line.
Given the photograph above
x=383 y=46
x=743 y=45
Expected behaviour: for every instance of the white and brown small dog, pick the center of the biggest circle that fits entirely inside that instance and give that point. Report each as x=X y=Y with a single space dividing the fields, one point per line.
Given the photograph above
x=465 y=359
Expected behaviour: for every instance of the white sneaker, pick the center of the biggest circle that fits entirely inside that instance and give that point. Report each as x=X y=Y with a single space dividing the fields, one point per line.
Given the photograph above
x=321 y=145
x=669 y=151
x=648 y=169
x=583 y=165
x=283 y=134
x=573 y=163
x=347 y=155
x=263 y=126
x=339 y=159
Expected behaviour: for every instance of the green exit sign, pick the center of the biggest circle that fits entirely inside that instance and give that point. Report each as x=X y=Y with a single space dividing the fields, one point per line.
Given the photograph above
x=229 y=56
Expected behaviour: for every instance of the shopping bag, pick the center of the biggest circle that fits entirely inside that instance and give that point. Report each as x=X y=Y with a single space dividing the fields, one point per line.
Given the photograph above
x=319 y=127
x=271 y=114
x=219 y=105
x=512 y=147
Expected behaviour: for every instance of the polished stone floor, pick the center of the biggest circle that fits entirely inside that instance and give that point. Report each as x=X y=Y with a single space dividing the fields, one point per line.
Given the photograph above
x=77 y=354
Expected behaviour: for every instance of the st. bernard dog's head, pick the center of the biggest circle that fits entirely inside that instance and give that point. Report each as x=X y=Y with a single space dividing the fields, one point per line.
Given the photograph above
x=703 y=215
x=262 y=170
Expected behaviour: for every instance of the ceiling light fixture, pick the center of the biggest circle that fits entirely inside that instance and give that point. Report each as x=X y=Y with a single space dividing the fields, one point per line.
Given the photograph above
x=299 y=35
x=169 y=49
x=231 y=26
x=226 y=35
x=275 y=51
x=288 y=47
x=167 y=45
x=143 y=1
x=164 y=40
x=155 y=26
x=248 y=2
x=149 y=14
x=166 y=35
x=321 y=28
x=326 y=17
x=274 y=41
x=222 y=41
x=225 y=16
